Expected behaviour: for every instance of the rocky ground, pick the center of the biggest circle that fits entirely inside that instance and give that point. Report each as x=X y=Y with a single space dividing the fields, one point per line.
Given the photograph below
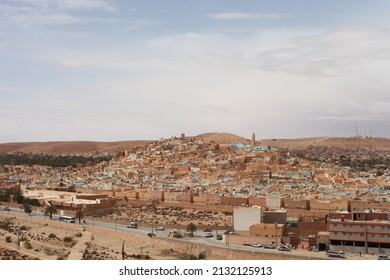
x=171 y=217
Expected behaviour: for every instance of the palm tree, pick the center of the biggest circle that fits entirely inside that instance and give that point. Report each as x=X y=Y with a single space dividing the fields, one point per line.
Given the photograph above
x=191 y=227
x=79 y=215
x=50 y=210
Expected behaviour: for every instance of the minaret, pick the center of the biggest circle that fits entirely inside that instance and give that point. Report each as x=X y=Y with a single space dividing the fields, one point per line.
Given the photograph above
x=253 y=143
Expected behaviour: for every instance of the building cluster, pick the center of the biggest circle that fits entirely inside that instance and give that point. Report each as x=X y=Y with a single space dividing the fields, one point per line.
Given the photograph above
x=189 y=171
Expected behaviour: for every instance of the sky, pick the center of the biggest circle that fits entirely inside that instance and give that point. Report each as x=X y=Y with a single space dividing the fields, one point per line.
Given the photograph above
x=104 y=70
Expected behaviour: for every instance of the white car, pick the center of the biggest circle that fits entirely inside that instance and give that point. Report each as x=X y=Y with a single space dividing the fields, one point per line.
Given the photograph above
x=257 y=245
x=208 y=234
x=159 y=228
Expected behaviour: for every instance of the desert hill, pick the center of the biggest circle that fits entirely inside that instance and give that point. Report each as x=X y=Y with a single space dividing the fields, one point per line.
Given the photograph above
x=88 y=147
x=222 y=138
x=70 y=147
x=350 y=143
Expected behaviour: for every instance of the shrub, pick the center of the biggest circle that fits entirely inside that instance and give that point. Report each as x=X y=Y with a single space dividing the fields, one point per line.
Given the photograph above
x=177 y=235
x=202 y=255
x=28 y=245
x=23 y=238
x=8 y=239
x=23 y=228
x=68 y=239
x=187 y=257
x=52 y=235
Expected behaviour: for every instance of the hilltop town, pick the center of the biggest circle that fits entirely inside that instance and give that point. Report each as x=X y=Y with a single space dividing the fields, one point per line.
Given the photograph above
x=312 y=197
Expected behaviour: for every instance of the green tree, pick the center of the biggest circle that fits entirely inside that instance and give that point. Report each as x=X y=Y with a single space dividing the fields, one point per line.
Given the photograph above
x=79 y=215
x=27 y=207
x=50 y=210
x=18 y=196
x=191 y=227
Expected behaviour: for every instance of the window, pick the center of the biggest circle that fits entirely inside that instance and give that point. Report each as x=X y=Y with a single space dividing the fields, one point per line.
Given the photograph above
x=350 y=234
x=373 y=234
x=344 y=225
x=372 y=227
x=344 y=233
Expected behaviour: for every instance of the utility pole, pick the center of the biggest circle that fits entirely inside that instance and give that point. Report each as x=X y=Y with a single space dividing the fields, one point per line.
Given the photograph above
x=18 y=235
x=153 y=214
x=123 y=250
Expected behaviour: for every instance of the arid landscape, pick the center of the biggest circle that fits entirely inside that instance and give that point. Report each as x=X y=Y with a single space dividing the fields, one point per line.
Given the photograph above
x=84 y=147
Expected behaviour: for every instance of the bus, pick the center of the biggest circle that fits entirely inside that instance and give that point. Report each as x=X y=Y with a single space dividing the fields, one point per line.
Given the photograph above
x=67 y=219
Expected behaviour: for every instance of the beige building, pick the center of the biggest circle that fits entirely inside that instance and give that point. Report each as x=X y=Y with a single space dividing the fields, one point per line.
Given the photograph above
x=271 y=232
x=244 y=217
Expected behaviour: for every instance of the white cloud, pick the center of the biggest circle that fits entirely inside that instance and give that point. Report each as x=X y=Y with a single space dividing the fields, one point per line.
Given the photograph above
x=72 y=4
x=140 y=23
x=72 y=63
x=85 y=4
x=246 y=16
x=51 y=19
x=29 y=13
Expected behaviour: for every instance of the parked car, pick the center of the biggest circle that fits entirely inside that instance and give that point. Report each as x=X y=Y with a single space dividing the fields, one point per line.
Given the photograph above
x=133 y=225
x=208 y=234
x=151 y=234
x=383 y=257
x=6 y=208
x=159 y=228
x=283 y=248
x=257 y=245
x=269 y=246
x=207 y=230
x=219 y=237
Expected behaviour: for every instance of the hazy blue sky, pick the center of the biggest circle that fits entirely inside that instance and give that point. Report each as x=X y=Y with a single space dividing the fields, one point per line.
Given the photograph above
x=121 y=70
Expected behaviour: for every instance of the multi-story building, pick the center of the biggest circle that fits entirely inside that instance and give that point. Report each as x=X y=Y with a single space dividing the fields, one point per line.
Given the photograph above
x=360 y=232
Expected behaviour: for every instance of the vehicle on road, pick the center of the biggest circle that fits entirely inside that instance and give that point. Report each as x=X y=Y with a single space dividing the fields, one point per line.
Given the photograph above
x=312 y=248
x=132 y=225
x=219 y=237
x=67 y=219
x=255 y=244
x=383 y=257
x=335 y=254
x=159 y=228
x=207 y=230
x=6 y=208
x=208 y=234
x=151 y=234
x=283 y=247
x=269 y=246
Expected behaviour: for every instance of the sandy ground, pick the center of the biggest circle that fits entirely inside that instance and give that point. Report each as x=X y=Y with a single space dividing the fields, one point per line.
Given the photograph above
x=170 y=217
